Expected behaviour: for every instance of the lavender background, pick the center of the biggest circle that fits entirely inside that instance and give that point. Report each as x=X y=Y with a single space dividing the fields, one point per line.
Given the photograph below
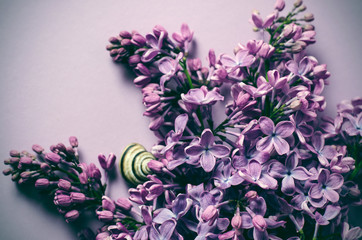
x=57 y=80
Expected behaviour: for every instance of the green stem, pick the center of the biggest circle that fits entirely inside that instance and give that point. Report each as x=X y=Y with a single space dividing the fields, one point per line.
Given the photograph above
x=71 y=175
x=184 y=68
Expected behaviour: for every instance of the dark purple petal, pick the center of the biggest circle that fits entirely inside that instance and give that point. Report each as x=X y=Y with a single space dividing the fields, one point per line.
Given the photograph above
x=288 y=186
x=219 y=151
x=258 y=206
x=266 y=125
x=207 y=138
x=284 y=129
x=272 y=223
x=195 y=150
x=207 y=161
x=292 y=161
x=146 y=215
x=260 y=235
x=306 y=130
x=149 y=54
x=246 y=220
x=323 y=176
x=335 y=181
x=277 y=169
x=280 y=145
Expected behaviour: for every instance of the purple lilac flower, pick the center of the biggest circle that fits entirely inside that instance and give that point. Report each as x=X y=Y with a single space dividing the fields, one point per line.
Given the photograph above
x=258 y=21
x=331 y=212
x=254 y=218
x=353 y=126
x=185 y=38
x=302 y=129
x=180 y=206
x=351 y=234
x=201 y=96
x=242 y=59
x=323 y=152
x=288 y=172
x=301 y=68
x=144 y=231
x=255 y=175
x=275 y=135
x=225 y=175
x=164 y=232
x=207 y=150
x=155 y=44
x=173 y=137
x=168 y=66
x=327 y=186
x=180 y=157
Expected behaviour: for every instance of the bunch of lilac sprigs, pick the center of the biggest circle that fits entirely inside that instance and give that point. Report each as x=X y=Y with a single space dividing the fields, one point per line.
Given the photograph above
x=270 y=170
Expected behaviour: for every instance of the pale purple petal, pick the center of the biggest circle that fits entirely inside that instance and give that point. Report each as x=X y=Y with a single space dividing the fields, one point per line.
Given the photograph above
x=323 y=160
x=149 y=54
x=247 y=61
x=268 y=181
x=219 y=151
x=281 y=146
x=227 y=61
x=207 y=138
x=164 y=215
x=288 y=186
x=335 y=181
x=207 y=161
x=258 y=206
x=318 y=141
x=331 y=195
x=265 y=144
x=329 y=152
x=180 y=122
x=186 y=32
x=266 y=125
x=269 y=20
x=154 y=234
x=254 y=169
x=300 y=173
x=292 y=66
x=166 y=65
x=331 y=212
x=167 y=228
x=284 y=129
x=316 y=191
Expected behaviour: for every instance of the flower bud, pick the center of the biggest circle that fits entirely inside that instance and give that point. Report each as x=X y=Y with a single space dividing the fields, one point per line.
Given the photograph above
x=124 y=204
x=298 y=3
x=155 y=166
x=14 y=153
x=7 y=171
x=45 y=167
x=108 y=204
x=73 y=141
x=279 y=5
x=52 y=158
x=105 y=216
x=236 y=221
x=15 y=176
x=114 y=40
x=26 y=175
x=42 y=183
x=259 y=223
x=156 y=123
x=251 y=195
x=266 y=50
x=308 y=27
x=64 y=184
x=25 y=162
x=295 y=105
x=94 y=171
x=308 y=17
x=125 y=34
x=134 y=60
x=61 y=147
x=209 y=213
x=71 y=216
x=37 y=148
x=77 y=197
x=158 y=29
x=62 y=200
x=302 y=8
x=83 y=178
x=14 y=160
x=138 y=40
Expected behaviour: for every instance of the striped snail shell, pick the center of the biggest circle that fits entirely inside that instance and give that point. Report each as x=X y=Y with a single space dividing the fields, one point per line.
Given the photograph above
x=133 y=164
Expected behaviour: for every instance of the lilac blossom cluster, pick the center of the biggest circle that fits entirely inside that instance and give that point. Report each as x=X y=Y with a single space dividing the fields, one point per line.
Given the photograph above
x=270 y=170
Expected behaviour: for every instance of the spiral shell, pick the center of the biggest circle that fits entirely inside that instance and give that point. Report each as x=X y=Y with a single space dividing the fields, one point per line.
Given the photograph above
x=133 y=164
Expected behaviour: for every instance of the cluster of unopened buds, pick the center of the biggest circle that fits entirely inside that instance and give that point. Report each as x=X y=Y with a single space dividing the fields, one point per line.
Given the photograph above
x=270 y=170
